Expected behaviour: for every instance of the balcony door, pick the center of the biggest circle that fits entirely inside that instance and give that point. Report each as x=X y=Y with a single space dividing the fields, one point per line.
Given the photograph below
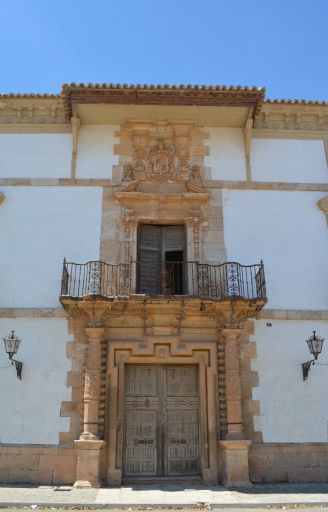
x=161 y=256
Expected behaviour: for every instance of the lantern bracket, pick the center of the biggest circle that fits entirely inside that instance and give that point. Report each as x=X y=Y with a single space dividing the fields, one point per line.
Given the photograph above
x=306 y=368
x=18 y=366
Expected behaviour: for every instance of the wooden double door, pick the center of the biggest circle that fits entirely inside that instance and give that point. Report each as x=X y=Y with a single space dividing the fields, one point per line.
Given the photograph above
x=161 y=421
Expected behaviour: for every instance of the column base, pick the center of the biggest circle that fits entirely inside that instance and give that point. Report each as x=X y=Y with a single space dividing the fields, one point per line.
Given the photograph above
x=235 y=463
x=88 y=472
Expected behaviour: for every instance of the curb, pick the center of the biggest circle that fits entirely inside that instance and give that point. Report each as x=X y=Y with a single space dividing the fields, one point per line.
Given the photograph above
x=198 y=505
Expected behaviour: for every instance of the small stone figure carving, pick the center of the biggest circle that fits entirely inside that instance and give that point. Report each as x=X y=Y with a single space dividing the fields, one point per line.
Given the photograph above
x=195 y=173
x=139 y=170
x=128 y=173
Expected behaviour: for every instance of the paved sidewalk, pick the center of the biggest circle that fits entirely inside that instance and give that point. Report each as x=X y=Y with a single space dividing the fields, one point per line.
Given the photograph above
x=165 y=495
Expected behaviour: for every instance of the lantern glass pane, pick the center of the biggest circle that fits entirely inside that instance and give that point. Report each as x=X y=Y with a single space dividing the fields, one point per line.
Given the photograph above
x=11 y=344
x=317 y=346
x=309 y=344
x=315 y=343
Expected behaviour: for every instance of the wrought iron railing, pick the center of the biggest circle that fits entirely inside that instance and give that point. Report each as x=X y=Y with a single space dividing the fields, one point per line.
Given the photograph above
x=188 y=278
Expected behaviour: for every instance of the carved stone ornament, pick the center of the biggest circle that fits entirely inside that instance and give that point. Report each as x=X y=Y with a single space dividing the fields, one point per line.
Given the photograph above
x=160 y=162
x=91 y=384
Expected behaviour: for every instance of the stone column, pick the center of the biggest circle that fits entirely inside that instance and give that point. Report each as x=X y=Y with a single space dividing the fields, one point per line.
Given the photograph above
x=89 y=446
x=235 y=447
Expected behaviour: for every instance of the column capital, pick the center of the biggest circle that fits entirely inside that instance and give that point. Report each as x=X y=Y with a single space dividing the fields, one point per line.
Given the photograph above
x=75 y=121
x=95 y=332
x=323 y=205
x=232 y=333
x=235 y=444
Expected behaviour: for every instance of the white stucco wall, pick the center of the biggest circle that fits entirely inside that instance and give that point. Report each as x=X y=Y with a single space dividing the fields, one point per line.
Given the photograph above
x=226 y=158
x=289 y=232
x=95 y=156
x=30 y=408
x=39 y=226
x=35 y=155
x=291 y=410
x=295 y=161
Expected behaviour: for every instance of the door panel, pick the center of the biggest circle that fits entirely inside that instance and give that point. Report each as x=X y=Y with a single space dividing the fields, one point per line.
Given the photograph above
x=141 y=420
x=161 y=420
x=141 y=444
x=141 y=381
x=182 y=404
x=182 y=441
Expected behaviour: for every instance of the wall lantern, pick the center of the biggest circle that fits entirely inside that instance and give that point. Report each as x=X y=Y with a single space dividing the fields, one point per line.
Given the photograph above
x=12 y=343
x=314 y=343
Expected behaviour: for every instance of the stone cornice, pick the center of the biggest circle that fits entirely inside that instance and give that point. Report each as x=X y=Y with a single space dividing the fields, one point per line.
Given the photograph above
x=265 y=314
x=31 y=110
x=74 y=94
x=298 y=116
x=35 y=128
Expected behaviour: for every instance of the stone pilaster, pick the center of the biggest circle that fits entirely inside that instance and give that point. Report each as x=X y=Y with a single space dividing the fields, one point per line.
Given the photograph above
x=92 y=383
x=234 y=447
x=89 y=446
x=233 y=385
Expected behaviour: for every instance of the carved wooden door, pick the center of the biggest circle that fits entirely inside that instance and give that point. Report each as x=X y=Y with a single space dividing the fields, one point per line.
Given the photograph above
x=161 y=256
x=161 y=420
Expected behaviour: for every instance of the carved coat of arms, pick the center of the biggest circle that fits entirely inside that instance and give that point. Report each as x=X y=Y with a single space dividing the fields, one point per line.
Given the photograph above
x=160 y=162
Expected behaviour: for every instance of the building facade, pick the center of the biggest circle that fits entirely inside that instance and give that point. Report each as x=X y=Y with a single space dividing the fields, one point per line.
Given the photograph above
x=169 y=343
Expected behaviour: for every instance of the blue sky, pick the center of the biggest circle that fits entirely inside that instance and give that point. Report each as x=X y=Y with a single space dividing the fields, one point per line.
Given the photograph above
x=279 y=44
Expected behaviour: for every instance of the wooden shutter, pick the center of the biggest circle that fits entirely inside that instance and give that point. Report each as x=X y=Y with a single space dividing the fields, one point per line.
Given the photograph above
x=150 y=252
x=173 y=238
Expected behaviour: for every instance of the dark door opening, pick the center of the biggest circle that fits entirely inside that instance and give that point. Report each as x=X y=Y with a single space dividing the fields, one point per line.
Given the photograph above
x=161 y=260
x=174 y=272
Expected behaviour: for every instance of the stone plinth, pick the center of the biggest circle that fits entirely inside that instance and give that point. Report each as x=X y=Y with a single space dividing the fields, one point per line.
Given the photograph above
x=235 y=463
x=88 y=463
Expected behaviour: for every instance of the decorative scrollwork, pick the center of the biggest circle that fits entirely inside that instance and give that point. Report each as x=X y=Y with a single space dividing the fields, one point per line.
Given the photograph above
x=124 y=279
x=94 y=278
x=232 y=279
x=203 y=280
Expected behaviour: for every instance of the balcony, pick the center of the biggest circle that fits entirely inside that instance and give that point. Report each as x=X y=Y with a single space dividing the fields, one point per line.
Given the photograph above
x=97 y=280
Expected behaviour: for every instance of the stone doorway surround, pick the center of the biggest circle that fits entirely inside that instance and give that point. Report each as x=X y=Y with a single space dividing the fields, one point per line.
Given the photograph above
x=160 y=330
x=170 y=352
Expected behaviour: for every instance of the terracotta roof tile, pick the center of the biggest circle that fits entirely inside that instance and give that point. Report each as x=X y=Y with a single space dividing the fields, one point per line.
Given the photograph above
x=296 y=102
x=195 y=87
x=28 y=95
